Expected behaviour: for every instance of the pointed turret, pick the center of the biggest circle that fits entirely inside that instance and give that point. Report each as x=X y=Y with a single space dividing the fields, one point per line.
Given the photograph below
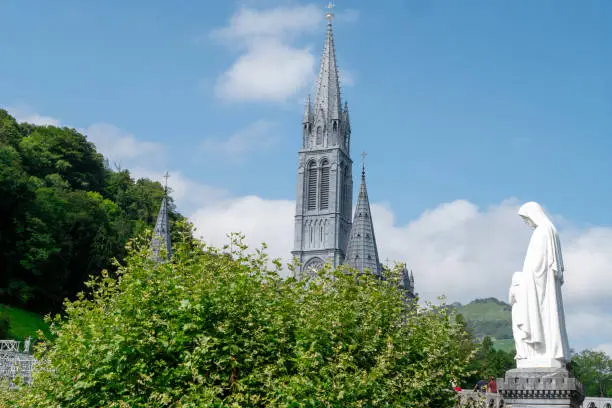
x=404 y=282
x=308 y=111
x=362 y=252
x=161 y=234
x=346 y=127
x=327 y=99
x=345 y=116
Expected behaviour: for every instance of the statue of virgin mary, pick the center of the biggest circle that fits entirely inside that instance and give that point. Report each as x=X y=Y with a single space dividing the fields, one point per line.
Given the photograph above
x=540 y=319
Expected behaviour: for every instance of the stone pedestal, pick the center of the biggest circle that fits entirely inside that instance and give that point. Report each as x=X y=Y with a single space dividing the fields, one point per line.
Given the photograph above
x=541 y=388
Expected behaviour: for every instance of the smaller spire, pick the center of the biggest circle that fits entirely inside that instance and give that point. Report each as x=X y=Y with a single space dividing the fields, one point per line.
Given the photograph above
x=161 y=233
x=308 y=111
x=362 y=252
x=405 y=279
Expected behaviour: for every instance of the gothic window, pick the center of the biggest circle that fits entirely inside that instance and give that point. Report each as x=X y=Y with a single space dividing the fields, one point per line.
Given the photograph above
x=321 y=229
x=324 y=187
x=319 y=135
x=312 y=186
x=335 y=126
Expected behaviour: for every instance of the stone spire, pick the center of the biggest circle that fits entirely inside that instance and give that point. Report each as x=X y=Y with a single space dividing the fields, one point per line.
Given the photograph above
x=308 y=111
x=327 y=99
x=362 y=252
x=161 y=234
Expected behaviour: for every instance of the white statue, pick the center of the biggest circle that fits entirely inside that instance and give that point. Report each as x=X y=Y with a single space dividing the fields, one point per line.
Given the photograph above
x=538 y=320
x=517 y=301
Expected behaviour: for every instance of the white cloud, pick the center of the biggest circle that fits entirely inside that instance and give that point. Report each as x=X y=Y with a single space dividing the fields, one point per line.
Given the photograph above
x=259 y=136
x=269 y=71
x=261 y=220
x=456 y=249
x=24 y=114
x=250 y=24
x=271 y=67
x=121 y=147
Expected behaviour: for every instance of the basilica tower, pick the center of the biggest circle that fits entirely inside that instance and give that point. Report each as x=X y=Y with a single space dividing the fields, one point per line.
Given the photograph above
x=325 y=182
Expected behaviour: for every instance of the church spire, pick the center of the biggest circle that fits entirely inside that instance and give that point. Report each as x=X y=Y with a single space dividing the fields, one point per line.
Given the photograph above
x=362 y=252
x=161 y=234
x=327 y=99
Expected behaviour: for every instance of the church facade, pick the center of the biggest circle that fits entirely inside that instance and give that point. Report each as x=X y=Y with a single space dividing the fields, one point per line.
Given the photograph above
x=326 y=230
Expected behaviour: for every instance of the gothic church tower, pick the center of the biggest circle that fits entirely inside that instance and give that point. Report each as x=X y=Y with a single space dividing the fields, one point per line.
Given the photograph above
x=325 y=182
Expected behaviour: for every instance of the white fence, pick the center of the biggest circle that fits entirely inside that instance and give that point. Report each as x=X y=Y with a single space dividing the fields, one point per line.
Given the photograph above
x=16 y=361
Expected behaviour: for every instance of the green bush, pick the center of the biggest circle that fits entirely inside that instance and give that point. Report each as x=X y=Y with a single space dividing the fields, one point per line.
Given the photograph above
x=213 y=330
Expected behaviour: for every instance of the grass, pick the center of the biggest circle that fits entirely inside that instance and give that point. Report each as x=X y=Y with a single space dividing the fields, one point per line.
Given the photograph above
x=24 y=323
x=487 y=309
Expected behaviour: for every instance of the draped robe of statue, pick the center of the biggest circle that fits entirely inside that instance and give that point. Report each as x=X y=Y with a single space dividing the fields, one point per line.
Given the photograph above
x=516 y=298
x=540 y=319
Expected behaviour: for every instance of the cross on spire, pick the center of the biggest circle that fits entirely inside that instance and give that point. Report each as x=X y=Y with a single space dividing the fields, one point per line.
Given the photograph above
x=166 y=177
x=330 y=11
x=363 y=159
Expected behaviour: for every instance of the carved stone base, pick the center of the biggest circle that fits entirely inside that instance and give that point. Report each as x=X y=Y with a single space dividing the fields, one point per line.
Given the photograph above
x=539 y=363
x=541 y=388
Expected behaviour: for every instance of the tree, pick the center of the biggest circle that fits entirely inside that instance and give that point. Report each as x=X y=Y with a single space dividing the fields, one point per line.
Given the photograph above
x=594 y=370
x=490 y=362
x=212 y=328
x=64 y=215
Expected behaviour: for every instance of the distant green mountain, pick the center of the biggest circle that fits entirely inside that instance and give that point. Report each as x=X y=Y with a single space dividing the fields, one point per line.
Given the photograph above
x=489 y=317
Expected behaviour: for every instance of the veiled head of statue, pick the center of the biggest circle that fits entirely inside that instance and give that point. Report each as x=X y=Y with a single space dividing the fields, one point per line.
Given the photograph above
x=533 y=214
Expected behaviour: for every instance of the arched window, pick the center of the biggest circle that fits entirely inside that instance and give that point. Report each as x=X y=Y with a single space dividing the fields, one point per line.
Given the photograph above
x=319 y=135
x=335 y=126
x=312 y=185
x=324 y=186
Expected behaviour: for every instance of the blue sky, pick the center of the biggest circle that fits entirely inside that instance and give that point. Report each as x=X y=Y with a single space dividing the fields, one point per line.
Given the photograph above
x=465 y=109
x=478 y=100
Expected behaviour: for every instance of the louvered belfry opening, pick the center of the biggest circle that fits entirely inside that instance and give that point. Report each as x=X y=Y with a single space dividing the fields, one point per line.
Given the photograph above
x=324 y=205
x=312 y=186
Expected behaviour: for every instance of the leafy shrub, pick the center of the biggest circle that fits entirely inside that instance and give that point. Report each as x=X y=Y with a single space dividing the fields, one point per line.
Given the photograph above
x=213 y=330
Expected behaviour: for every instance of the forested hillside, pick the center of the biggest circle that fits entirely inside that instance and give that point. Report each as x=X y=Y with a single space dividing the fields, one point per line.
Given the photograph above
x=489 y=317
x=64 y=214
